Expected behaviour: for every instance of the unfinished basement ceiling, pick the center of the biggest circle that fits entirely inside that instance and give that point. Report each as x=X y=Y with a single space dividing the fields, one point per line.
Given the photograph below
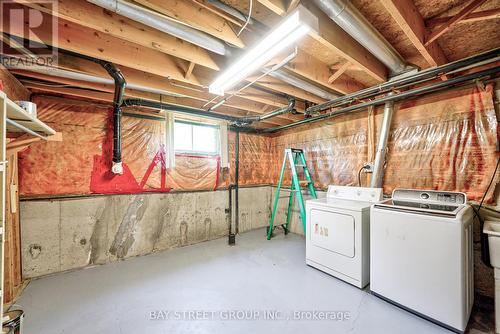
x=178 y=72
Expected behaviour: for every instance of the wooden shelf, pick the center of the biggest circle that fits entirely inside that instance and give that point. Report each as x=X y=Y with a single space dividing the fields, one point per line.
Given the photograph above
x=19 y=115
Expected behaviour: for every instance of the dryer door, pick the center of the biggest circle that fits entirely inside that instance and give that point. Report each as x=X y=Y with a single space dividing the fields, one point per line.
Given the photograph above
x=333 y=231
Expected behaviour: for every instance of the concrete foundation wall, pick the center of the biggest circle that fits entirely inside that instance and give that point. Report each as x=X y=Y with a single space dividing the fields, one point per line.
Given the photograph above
x=64 y=234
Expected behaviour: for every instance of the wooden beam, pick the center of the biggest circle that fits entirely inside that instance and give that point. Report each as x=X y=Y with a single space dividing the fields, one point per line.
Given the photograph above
x=337 y=40
x=292 y=4
x=197 y=17
x=189 y=70
x=490 y=14
x=341 y=70
x=409 y=19
x=279 y=86
x=277 y=6
x=12 y=87
x=459 y=16
x=313 y=69
x=95 y=44
x=99 y=19
x=22 y=142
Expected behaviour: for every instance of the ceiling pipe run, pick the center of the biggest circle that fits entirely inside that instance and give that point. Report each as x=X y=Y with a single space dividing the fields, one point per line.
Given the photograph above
x=164 y=24
x=355 y=24
x=61 y=73
x=422 y=76
x=302 y=84
x=237 y=122
x=259 y=118
x=433 y=87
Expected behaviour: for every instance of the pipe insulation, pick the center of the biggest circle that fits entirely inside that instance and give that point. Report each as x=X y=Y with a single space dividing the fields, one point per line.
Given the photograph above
x=164 y=24
x=355 y=24
x=378 y=166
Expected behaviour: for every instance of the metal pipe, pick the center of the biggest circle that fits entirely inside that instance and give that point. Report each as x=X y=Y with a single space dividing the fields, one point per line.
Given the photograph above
x=61 y=73
x=231 y=236
x=25 y=129
x=378 y=166
x=178 y=109
x=489 y=56
x=237 y=178
x=258 y=118
x=232 y=11
x=407 y=94
x=164 y=24
x=302 y=84
x=355 y=24
x=120 y=83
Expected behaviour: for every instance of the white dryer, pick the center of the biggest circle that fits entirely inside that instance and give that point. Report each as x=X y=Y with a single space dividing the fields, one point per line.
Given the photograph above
x=337 y=233
x=421 y=254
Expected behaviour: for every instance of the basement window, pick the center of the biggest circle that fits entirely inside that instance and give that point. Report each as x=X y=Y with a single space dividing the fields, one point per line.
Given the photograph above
x=196 y=138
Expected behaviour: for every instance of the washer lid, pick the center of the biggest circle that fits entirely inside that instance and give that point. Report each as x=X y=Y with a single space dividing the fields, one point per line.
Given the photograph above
x=427 y=208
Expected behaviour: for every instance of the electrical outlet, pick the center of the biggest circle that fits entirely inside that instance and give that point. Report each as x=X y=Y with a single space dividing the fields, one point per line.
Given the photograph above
x=368 y=167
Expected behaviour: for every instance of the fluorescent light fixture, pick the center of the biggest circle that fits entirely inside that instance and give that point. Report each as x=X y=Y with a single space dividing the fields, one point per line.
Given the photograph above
x=294 y=26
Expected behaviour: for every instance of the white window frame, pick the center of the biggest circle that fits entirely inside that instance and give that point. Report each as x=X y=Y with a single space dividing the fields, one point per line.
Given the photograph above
x=194 y=152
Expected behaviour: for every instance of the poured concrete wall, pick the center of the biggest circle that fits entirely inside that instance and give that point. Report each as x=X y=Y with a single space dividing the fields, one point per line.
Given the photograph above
x=64 y=234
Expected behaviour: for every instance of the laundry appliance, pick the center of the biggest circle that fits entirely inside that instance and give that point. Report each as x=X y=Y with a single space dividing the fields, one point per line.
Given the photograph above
x=337 y=232
x=422 y=256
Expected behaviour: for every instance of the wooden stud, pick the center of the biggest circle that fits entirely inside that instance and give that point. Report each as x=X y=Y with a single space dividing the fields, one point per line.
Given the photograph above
x=308 y=66
x=95 y=44
x=337 y=40
x=277 y=6
x=407 y=16
x=459 y=16
x=189 y=70
x=94 y=17
x=490 y=14
x=341 y=70
x=195 y=16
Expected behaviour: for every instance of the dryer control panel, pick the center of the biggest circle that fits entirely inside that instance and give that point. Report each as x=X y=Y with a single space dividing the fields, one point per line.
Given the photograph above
x=355 y=193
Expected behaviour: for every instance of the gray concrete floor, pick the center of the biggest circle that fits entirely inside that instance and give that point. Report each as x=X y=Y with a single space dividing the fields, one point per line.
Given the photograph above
x=256 y=275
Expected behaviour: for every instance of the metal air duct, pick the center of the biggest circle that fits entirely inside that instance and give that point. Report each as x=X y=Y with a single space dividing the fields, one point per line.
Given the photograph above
x=355 y=24
x=165 y=24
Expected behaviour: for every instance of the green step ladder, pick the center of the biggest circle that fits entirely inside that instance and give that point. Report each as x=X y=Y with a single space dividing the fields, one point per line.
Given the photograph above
x=296 y=159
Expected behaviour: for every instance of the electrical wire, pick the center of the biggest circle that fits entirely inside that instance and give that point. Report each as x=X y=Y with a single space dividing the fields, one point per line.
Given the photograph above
x=248 y=18
x=359 y=176
x=489 y=185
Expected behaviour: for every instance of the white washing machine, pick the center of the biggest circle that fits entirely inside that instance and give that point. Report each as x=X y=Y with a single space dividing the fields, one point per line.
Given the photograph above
x=337 y=233
x=421 y=254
